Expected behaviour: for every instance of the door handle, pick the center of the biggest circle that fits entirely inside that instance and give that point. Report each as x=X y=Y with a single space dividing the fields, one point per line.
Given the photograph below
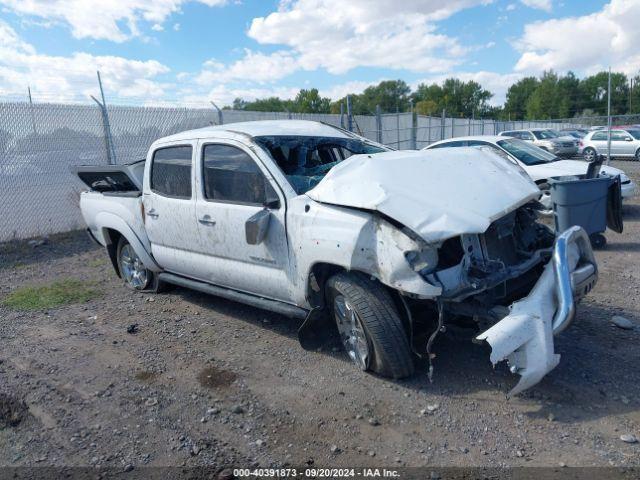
x=152 y=213
x=206 y=220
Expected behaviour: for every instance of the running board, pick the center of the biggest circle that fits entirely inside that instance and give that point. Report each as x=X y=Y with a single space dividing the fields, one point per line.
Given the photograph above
x=246 y=298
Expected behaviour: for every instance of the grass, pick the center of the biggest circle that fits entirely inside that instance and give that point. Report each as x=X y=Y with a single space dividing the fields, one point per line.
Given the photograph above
x=55 y=294
x=97 y=262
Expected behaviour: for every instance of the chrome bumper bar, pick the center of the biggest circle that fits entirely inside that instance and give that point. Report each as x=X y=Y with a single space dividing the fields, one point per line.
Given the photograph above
x=525 y=336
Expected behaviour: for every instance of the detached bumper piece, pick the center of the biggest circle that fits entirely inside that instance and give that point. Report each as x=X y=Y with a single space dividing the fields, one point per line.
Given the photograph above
x=525 y=337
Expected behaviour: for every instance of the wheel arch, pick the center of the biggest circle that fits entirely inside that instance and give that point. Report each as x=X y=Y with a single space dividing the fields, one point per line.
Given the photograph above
x=113 y=227
x=323 y=271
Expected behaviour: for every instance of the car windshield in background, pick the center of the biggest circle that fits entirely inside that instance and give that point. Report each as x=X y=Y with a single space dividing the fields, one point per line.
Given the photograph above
x=544 y=134
x=634 y=133
x=525 y=152
x=306 y=160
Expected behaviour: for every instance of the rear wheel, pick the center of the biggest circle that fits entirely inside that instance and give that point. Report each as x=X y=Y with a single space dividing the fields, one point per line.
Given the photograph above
x=132 y=270
x=369 y=325
x=589 y=154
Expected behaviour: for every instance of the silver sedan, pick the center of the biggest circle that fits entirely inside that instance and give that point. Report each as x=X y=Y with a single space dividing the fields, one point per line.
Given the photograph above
x=624 y=143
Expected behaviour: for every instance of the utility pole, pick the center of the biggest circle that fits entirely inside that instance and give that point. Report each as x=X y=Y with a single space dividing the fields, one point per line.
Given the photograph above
x=609 y=119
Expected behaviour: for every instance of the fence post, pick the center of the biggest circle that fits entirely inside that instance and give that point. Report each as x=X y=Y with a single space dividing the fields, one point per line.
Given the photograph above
x=378 y=124
x=33 y=118
x=349 y=117
x=220 y=117
x=414 y=128
x=341 y=115
x=442 y=122
x=108 y=140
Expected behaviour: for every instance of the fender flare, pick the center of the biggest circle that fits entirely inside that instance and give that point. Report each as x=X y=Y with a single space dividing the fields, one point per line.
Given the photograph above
x=110 y=221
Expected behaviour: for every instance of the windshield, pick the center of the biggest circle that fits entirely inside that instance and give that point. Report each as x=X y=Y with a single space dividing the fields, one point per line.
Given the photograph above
x=306 y=160
x=544 y=134
x=635 y=134
x=525 y=152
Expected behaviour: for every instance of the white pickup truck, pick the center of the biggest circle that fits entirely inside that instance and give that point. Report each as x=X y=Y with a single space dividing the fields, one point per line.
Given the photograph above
x=317 y=223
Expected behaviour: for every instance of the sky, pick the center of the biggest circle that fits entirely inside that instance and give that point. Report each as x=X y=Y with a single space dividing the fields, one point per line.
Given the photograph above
x=196 y=51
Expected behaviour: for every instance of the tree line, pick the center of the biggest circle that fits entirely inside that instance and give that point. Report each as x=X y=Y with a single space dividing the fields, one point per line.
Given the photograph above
x=532 y=98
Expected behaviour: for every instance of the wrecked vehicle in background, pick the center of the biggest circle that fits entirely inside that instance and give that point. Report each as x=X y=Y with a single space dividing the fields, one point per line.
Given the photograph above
x=317 y=223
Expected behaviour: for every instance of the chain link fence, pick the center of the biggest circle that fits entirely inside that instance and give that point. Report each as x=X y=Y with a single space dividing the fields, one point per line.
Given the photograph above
x=41 y=142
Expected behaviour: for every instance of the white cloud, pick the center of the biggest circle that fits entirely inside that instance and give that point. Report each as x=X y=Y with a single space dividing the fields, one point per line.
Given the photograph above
x=156 y=27
x=336 y=92
x=585 y=44
x=73 y=77
x=339 y=36
x=101 y=19
x=510 y=7
x=496 y=83
x=545 y=5
x=224 y=95
x=254 y=67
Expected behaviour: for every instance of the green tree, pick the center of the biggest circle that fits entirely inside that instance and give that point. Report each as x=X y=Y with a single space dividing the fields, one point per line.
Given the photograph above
x=310 y=101
x=518 y=94
x=458 y=98
x=593 y=93
x=391 y=95
x=543 y=102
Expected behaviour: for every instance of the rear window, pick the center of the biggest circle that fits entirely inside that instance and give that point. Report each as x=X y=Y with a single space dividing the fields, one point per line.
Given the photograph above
x=599 y=136
x=171 y=172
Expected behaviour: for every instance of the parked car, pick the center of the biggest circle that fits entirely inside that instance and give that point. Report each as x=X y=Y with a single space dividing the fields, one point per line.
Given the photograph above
x=624 y=144
x=576 y=133
x=538 y=163
x=317 y=223
x=545 y=139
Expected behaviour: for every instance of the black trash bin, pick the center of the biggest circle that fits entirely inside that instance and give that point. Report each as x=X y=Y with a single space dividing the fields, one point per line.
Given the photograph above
x=591 y=203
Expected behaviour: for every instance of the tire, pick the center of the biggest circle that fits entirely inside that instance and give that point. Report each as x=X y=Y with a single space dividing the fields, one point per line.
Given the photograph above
x=374 y=314
x=598 y=241
x=132 y=270
x=637 y=155
x=589 y=154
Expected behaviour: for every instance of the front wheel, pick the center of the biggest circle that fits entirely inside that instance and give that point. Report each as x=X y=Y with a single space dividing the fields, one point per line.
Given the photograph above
x=589 y=154
x=132 y=270
x=638 y=155
x=369 y=325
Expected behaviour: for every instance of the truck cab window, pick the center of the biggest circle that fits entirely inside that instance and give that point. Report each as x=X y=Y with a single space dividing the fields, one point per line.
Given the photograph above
x=171 y=172
x=230 y=175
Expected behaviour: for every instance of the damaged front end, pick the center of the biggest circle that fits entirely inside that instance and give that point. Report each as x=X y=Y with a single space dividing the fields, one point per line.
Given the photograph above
x=521 y=282
x=525 y=336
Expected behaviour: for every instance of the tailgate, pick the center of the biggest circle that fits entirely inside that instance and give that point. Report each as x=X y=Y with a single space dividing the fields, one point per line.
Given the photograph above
x=112 y=178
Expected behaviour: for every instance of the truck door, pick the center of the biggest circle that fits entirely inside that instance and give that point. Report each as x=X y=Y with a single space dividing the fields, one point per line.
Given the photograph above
x=170 y=220
x=233 y=186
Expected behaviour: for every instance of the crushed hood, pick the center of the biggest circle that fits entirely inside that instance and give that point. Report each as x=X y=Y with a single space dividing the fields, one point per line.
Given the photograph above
x=568 y=167
x=437 y=193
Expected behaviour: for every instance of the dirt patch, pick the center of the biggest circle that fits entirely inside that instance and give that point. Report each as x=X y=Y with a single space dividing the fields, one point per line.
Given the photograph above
x=213 y=377
x=146 y=376
x=12 y=411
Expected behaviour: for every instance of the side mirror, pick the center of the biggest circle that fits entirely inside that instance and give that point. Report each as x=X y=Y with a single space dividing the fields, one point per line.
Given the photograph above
x=628 y=139
x=257 y=226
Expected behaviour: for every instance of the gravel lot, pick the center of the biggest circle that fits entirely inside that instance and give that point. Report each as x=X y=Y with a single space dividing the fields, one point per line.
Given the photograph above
x=205 y=381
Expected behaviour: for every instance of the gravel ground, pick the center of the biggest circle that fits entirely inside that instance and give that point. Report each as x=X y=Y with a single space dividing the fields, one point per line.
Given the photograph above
x=205 y=381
